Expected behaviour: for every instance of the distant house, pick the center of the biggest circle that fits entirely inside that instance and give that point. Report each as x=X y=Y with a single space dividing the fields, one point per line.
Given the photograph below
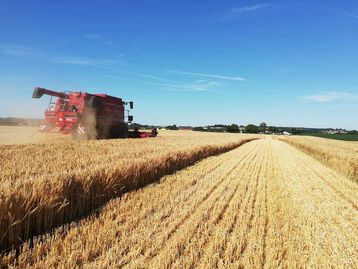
x=335 y=131
x=286 y=133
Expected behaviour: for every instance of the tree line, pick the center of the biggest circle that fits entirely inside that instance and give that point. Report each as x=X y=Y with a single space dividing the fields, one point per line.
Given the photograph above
x=250 y=128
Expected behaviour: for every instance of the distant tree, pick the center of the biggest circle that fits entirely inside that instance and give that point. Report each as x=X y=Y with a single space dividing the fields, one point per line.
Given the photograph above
x=139 y=126
x=262 y=127
x=273 y=129
x=296 y=131
x=253 y=129
x=172 y=127
x=233 y=128
x=135 y=125
x=200 y=129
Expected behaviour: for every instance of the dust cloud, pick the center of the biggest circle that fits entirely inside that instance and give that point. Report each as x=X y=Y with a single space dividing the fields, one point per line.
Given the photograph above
x=89 y=120
x=10 y=135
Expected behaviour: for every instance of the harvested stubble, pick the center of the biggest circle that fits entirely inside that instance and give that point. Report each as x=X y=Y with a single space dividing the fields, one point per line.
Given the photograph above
x=44 y=186
x=263 y=205
x=341 y=156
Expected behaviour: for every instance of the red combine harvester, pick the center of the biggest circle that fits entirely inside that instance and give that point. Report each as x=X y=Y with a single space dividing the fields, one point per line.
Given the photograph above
x=88 y=116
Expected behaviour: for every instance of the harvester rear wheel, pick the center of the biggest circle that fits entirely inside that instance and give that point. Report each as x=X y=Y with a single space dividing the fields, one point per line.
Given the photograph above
x=119 y=131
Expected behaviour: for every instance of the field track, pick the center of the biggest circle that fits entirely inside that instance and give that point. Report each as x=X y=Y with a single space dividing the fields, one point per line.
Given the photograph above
x=262 y=205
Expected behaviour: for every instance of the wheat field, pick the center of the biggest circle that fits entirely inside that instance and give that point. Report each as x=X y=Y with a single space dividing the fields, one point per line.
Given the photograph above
x=341 y=156
x=263 y=205
x=46 y=185
x=11 y=135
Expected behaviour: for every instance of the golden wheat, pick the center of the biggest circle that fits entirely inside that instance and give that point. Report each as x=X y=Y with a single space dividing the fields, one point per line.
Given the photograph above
x=262 y=205
x=341 y=156
x=46 y=185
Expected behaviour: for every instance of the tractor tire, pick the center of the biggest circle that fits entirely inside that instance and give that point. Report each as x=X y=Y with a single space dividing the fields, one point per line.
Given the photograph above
x=118 y=131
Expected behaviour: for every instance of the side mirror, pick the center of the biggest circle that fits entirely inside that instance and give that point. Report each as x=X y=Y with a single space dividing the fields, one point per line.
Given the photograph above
x=130 y=118
x=131 y=104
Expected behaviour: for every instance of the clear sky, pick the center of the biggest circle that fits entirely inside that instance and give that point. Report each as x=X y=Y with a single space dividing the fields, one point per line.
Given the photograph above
x=288 y=63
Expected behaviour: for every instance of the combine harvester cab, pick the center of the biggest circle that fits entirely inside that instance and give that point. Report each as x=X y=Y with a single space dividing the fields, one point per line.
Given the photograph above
x=87 y=116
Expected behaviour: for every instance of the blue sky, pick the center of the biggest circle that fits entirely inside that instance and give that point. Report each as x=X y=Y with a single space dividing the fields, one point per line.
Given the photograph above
x=288 y=63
